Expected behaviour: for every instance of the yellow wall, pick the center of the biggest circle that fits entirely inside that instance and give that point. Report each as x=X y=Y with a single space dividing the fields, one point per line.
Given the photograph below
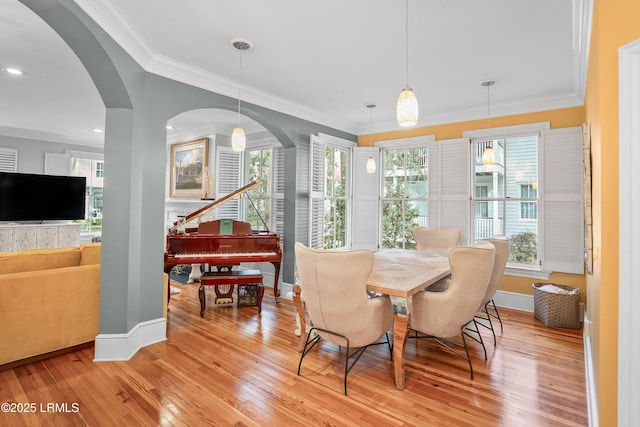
x=565 y=117
x=615 y=24
x=557 y=118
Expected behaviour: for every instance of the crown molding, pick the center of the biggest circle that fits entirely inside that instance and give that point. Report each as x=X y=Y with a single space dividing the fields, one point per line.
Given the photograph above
x=532 y=105
x=45 y=135
x=109 y=17
x=113 y=22
x=178 y=71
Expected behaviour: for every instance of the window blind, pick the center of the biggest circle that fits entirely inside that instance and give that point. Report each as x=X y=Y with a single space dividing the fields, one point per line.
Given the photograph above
x=228 y=179
x=449 y=183
x=562 y=200
x=366 y=200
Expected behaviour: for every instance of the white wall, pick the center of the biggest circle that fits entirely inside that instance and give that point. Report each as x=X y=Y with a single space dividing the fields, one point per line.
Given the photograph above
x=31 y=151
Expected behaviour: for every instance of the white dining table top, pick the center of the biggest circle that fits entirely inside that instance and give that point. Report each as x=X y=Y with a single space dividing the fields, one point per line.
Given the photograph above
x=403 y=272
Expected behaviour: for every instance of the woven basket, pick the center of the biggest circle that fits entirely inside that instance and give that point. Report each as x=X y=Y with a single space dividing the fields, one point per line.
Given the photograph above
x=556 y=310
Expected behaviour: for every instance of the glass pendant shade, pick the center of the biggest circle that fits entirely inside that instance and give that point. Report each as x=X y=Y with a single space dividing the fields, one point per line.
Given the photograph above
x=238 y=139
x=407 y=108
x=371 y=165
x=488 y=157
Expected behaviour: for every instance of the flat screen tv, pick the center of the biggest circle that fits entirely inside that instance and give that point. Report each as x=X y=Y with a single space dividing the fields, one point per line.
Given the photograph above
x=31 y=197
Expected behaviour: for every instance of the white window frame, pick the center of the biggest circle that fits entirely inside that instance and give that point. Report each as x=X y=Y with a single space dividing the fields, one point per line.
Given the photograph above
x=60 y=164
x=317 y=189
x=552 y=168
x=401 y=144
x=276 y=191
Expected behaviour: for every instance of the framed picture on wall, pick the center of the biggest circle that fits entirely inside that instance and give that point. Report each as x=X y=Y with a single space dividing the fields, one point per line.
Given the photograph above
x=190 y=169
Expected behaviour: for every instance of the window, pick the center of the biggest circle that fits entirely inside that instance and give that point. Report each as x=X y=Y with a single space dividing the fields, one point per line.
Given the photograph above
x=335 y=199
x=259 y=168
x=506 y=197
x=482 y=208
x=404 y=199
x=93 y=170
x=528 y=210
x=100 y=170
x=530 y=188
x=329 y=191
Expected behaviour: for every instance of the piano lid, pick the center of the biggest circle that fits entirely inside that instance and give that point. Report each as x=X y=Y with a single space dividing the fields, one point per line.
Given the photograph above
x=200 y=212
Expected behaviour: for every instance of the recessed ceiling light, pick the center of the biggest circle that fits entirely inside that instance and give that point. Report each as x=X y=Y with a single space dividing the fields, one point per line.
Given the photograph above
x=169 y=127
x=241 y=44
x=96 y=130
x=14 y=71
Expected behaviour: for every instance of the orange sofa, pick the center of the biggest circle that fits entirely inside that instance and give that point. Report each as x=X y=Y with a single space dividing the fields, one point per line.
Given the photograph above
x=49 y=300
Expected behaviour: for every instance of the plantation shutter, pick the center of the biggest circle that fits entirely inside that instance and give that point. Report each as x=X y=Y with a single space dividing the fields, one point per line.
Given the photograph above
x=228 y=180
x=8 y=160
x=563 y=200
x=56 y=164
x=277 y=193
x=366 y=207
x=316 y=191
x=449 y=197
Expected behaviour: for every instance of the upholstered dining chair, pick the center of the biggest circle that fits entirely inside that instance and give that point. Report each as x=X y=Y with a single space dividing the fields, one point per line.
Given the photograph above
x=436 y=239
x=339 y=309
x=488 y=308
x=444 y=315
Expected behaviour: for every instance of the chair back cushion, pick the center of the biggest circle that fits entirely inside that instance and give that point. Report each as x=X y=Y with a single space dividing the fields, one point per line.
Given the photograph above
x=501 y=244
x=436 y=239
x=334 y=285
x=442 y=314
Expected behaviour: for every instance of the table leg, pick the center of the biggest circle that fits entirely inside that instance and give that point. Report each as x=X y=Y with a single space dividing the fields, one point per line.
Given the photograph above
x=297 y=302
x=400 y=333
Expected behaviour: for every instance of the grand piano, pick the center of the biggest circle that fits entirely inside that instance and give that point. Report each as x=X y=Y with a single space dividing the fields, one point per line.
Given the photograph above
x=223 y=242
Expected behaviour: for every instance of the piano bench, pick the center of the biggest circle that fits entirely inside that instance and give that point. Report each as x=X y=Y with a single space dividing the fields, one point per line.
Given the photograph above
x=231 y=277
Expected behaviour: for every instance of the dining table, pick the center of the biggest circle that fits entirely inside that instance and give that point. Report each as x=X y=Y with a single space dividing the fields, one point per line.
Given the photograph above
x=399 y=273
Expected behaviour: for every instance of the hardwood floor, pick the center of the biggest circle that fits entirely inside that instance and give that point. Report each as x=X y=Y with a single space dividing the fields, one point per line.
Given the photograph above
x=237 y=368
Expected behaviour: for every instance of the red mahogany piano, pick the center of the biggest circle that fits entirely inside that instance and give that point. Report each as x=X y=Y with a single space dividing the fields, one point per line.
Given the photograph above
x=206 y=245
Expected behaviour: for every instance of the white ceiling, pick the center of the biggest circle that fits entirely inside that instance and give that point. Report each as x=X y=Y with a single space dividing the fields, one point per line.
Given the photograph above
x=322 y=61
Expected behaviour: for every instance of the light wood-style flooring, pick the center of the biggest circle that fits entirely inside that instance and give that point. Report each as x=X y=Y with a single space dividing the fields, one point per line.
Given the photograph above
x=237 y=368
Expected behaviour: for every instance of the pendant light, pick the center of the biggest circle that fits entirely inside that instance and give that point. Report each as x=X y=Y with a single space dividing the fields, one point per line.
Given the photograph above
x=488 y=156
x=407 y=107
x=371 y=163
x=238 y=137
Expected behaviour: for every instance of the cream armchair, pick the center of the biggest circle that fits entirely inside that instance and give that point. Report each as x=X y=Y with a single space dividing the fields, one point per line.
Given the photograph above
x=488 y=308
x=436 y=239
x=339 y=310
x=444 y=315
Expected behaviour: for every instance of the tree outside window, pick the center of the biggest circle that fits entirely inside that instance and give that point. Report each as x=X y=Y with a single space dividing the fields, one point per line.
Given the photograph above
x=404 y=203
x=335 y=200
x=259 y=168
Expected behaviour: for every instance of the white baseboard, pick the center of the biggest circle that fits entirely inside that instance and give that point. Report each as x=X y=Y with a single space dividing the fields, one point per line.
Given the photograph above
x=592 y=403
x=514 y=300
x=121 y=347
x=286 y=290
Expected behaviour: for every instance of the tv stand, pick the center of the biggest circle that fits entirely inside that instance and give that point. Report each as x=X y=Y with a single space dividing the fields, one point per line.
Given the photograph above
x=22 y=237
